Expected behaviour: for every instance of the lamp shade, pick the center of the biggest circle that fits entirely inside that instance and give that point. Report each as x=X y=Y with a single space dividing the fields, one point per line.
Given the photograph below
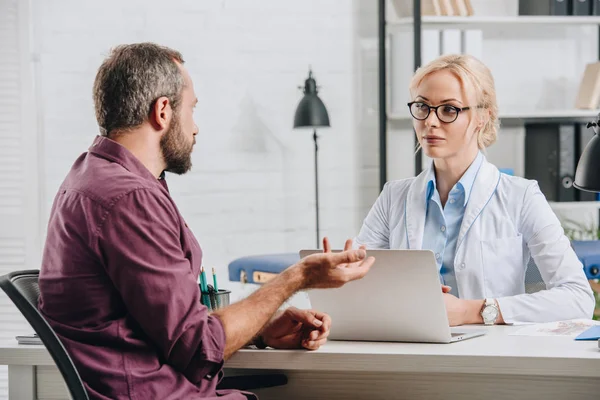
x=311 y=111
x=587 y=175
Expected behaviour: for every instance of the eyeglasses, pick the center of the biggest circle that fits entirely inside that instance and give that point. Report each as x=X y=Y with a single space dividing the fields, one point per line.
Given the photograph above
x=445 y=112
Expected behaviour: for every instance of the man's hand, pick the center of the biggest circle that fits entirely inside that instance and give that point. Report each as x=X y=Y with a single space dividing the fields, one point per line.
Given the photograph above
x=296 y=328
x=244 y=319
x=332 y=270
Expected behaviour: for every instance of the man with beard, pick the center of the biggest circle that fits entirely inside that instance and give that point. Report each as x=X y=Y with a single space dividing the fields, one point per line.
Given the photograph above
x=119 y=276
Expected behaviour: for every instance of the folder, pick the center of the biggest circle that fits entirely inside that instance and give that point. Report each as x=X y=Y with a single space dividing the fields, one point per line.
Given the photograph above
x=595 y=7
x=451 y=41
x=469 y=7
x=592 y=333
x=29 y=339
x=582 y=138
x=550 y=159
x=460 y=8
x=581 y=7
x=430 y=45
x=544 y=7
x=404 y=8
x=472 y=42
x=447 y=9
x=588 y=95
x=431 y=7
x=400 y=71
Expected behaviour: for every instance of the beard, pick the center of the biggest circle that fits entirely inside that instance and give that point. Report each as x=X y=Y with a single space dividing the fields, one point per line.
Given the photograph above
x=177 y=152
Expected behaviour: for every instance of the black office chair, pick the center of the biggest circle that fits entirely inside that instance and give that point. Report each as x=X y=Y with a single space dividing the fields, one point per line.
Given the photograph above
x=23 y=289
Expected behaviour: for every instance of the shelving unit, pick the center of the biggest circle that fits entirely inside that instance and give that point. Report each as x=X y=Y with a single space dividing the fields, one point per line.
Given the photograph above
x=417 y=22
x=486 y=22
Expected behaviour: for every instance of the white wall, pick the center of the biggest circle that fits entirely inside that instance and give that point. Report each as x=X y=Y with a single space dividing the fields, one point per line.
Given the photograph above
x=251 y=189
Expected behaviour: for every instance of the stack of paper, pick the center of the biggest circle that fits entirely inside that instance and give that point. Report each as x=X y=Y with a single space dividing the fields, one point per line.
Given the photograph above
x=572 y=328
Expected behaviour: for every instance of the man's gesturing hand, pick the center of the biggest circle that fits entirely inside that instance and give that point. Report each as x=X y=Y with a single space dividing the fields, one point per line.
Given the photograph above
x=331 y=270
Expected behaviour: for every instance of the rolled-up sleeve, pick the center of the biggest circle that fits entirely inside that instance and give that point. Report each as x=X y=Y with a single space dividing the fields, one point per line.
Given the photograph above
x=140 y=243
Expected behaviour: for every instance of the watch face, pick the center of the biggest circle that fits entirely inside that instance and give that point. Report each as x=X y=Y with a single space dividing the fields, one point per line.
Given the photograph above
x=489 y=313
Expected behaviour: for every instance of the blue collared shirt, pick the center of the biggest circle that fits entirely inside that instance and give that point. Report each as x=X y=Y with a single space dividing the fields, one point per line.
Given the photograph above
x=442 y=224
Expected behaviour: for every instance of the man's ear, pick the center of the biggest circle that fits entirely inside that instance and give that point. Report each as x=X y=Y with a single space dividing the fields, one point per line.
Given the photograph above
x=160 y=114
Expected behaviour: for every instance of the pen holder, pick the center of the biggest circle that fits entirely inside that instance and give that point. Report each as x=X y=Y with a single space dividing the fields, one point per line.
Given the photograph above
x=215 y=300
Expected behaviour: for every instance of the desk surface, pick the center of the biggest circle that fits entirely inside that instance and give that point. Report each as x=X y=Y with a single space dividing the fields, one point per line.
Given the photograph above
x=497 y=352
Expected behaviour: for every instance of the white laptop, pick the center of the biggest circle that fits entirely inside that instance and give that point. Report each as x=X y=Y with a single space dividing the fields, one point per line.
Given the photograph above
x=399 y=300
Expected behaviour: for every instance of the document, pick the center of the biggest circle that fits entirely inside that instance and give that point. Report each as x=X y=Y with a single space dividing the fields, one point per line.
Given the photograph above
x=570 y=328
x=29 y=339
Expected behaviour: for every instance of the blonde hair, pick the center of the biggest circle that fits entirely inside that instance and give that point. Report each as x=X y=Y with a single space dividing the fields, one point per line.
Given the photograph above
x=469 y=70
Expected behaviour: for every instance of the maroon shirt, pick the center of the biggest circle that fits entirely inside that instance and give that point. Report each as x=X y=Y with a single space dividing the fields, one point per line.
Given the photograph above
x=118 y=284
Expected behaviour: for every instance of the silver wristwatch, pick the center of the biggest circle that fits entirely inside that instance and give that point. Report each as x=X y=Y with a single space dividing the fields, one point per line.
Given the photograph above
x=490 y=312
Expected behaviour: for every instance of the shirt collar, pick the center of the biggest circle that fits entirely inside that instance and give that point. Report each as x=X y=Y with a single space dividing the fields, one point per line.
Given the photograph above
x=465 y=183
x=468 y=178
x=113 y=151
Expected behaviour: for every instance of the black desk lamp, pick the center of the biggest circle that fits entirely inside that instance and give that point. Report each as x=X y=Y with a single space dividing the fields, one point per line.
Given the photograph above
x=587 y=175
x=311 y=113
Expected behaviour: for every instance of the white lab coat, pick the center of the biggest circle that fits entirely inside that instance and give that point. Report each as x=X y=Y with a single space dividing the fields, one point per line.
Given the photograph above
x=507 y=219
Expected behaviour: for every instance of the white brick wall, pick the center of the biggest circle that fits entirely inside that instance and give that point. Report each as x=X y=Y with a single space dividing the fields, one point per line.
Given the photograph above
x=251 y=189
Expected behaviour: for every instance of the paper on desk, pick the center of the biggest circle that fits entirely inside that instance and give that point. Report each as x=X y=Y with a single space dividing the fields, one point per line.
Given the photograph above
x=569 y=328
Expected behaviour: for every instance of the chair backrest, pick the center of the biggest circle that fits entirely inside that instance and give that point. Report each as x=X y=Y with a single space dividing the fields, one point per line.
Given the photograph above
x=23 y=289
x=533 y=278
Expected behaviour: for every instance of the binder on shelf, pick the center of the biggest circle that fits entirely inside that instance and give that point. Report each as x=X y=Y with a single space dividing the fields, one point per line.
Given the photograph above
x=588 y=95
x=447 y=9
x=582 y=138
x=581 y=7
x=404 y=8
x=431 y=7
x=550 y=159
x=469 y=6
x=595 y=7
x=543 y=7
x=460 y=8
x=400 y=71
x=451 y=41
x=430 y=45
x=472 y=42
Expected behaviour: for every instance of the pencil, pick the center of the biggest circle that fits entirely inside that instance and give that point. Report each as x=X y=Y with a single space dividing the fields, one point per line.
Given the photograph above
x=215 y=280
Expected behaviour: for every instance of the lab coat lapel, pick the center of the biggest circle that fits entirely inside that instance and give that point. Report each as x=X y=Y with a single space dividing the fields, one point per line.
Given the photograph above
x=414 y=211
x=484 y=187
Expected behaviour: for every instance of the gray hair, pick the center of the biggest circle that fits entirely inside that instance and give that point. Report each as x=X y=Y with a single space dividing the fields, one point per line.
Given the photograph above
x=130 y=80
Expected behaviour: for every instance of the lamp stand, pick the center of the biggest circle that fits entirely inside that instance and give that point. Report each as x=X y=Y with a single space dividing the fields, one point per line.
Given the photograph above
x=317 y=186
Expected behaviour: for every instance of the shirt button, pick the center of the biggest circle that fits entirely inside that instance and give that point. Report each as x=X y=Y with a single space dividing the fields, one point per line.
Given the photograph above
x=437 y=256
x=452 y=201
x=443 y=228
x=462 y=266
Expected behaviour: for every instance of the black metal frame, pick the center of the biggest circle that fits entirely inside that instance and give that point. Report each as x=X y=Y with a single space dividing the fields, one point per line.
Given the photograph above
x=383 y=90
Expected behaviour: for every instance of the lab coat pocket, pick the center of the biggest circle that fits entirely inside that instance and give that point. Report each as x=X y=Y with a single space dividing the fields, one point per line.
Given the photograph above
x=503 y=268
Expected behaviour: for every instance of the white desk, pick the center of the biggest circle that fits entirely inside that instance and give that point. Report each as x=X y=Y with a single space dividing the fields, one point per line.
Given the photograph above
x=496 y=366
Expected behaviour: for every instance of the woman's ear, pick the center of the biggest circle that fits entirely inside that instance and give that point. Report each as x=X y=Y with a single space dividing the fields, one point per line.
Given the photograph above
x=483 y=117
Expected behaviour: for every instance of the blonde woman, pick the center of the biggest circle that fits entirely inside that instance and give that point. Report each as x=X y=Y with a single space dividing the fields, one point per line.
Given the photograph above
x=483 y=226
